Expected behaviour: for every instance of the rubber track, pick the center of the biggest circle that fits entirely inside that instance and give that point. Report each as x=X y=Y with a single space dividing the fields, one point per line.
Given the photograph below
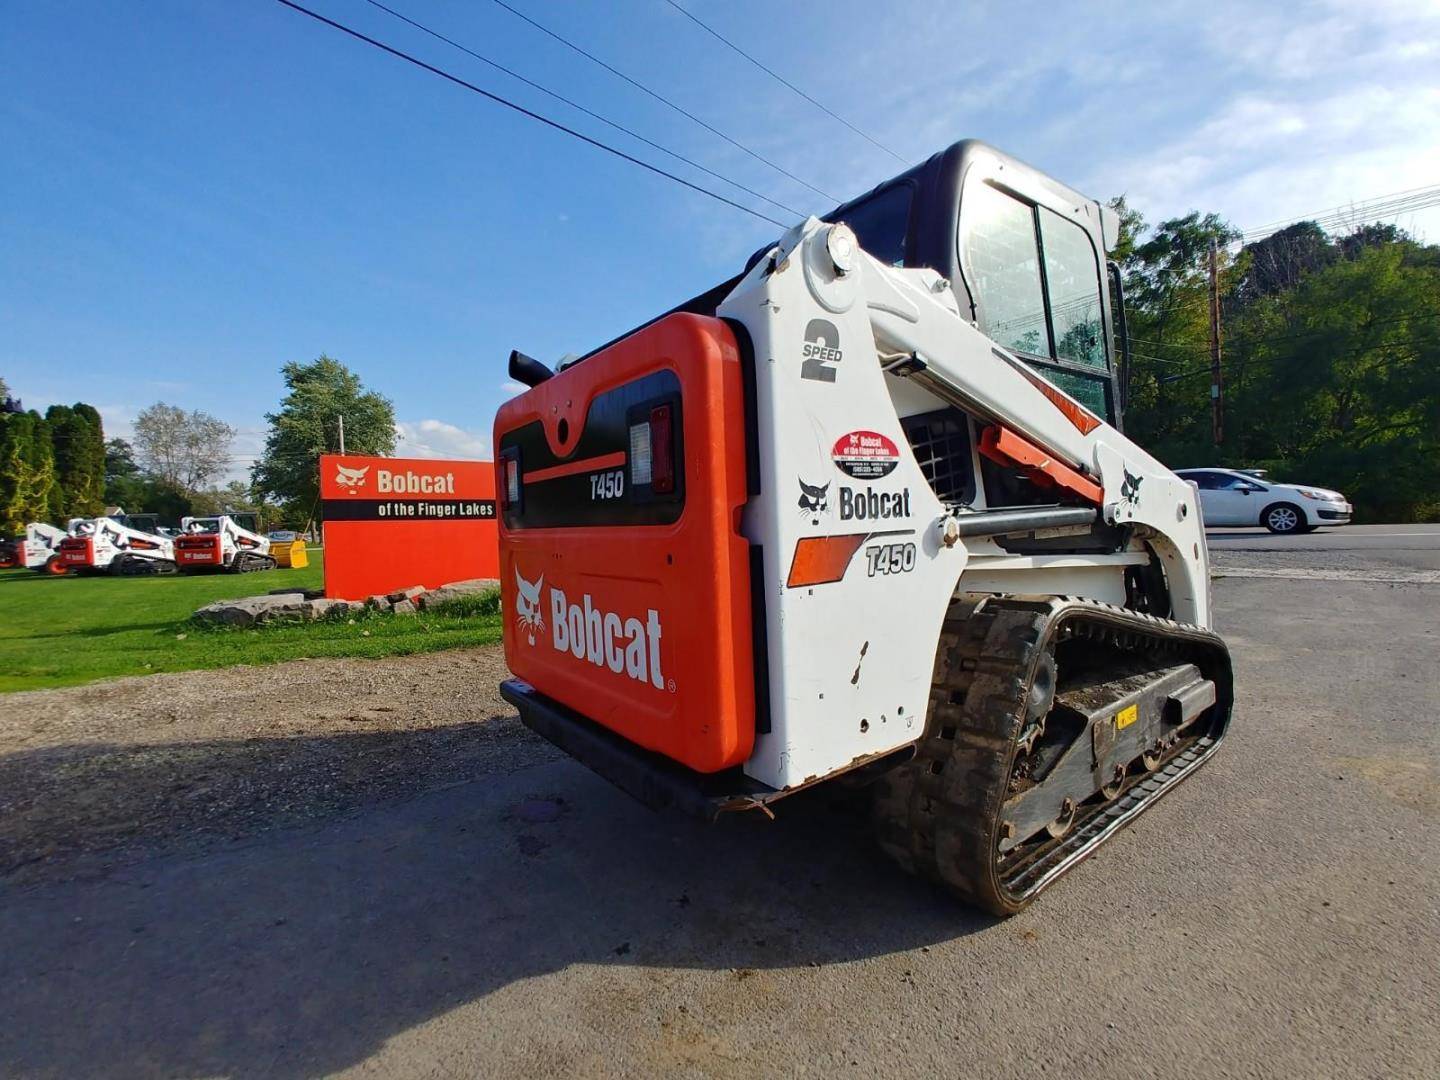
x=938 y=816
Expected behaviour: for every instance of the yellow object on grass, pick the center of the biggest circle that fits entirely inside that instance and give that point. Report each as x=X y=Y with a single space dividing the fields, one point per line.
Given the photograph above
x=291 y=554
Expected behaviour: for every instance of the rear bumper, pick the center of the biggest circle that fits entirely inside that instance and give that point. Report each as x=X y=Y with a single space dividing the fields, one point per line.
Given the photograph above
x=654 y=780
x=657 y=781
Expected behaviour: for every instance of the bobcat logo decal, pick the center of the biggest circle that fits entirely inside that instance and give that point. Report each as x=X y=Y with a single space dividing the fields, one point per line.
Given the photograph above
x=813 y=499
x=528 y=615
x=351 y=478
x=1130 y=489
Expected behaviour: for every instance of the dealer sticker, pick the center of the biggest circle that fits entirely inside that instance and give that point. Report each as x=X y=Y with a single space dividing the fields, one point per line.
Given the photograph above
x=865 y=455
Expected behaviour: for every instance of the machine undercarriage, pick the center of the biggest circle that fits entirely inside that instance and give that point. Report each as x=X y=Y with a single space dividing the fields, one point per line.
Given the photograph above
x=1053 y=722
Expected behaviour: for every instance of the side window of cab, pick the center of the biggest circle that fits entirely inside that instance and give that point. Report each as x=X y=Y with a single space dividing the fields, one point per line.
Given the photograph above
x=1035 y=276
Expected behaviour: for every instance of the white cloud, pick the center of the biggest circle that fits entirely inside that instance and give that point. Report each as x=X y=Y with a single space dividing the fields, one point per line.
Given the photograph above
x=438 y=439
x=1258 y=111
x=1275 y=157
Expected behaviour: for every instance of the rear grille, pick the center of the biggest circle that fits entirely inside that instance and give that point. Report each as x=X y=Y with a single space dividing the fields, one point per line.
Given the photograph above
x=941 y=443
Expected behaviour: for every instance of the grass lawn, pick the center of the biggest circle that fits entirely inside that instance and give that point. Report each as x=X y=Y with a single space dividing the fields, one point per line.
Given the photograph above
x=63 y=631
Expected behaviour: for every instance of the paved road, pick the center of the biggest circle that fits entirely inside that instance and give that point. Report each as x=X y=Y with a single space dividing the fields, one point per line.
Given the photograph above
x=1413 y=546
x=1276 y=916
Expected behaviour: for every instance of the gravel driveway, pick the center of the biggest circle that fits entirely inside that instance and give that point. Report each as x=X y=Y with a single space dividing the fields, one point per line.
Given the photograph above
x=186 y=761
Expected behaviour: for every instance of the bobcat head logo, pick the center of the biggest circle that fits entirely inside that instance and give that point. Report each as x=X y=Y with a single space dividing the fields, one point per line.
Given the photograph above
x=814 y=500
x=1130 y=489
x=528 y=615
x=350 y=478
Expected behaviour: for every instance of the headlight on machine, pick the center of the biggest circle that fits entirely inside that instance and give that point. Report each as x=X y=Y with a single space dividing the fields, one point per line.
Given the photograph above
x=1318 y=495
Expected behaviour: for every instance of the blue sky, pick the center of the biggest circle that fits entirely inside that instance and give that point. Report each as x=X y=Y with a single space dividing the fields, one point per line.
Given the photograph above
x=193 y=193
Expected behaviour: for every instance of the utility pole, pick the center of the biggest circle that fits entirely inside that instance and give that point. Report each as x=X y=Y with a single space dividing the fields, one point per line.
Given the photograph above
x=341 y=418
x=1217 y=380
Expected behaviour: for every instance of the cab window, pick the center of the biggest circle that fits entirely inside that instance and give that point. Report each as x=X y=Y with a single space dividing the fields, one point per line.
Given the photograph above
x=1035 y=277
x=999 y=254
x=881 y=222
x=1072 y=279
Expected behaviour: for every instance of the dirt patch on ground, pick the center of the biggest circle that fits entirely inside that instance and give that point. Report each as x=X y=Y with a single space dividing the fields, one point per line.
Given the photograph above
x=91 y=777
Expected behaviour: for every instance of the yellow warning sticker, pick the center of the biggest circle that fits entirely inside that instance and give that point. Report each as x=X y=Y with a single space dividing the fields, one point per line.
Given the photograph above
x=1126 y=716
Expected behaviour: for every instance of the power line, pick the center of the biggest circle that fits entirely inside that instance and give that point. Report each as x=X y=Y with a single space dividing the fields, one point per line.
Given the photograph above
x=1270 y=361
x=576 y=105
x=1414 y=316
x=1331 y=211
x=660 y=98
x=1382 y=206
x=527 y=112
x=782 y=81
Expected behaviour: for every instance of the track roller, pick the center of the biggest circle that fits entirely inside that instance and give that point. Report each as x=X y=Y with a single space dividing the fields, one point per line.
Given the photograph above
x=1052 y=724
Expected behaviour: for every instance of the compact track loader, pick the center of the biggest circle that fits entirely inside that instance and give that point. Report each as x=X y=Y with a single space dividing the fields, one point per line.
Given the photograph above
x=865 y=512
x=38 y=549
x=222 y=543
x=120 y=545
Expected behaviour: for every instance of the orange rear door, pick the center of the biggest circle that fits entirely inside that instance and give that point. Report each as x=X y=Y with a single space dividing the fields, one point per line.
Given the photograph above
x=626 y=581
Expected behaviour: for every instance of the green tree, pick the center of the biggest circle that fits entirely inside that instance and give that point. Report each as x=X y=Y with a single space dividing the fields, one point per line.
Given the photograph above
x=236 y=495
x=1337 y=382
x=1331 y=357
x=1167 y=304
x=131 y=487
x=1278 y=262
x=79 y=443
x=306 y=426
x=27 y=472
x=124 y=481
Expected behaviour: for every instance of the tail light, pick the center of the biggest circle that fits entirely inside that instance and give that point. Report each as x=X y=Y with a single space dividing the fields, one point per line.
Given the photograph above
x=662 y=450
x=509 y=480
x=652 y=451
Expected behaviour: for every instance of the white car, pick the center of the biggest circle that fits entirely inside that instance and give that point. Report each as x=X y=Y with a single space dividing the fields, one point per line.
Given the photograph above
x=1231 y=497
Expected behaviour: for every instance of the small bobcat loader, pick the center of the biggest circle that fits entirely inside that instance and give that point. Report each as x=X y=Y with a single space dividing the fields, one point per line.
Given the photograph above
x=222 y=543
x=36 y=550
x=865 y=512
x=121 y=545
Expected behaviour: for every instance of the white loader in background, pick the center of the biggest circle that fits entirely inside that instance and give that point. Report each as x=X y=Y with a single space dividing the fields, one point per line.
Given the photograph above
x=223 y=543
x=38 y=549
x=116 y=545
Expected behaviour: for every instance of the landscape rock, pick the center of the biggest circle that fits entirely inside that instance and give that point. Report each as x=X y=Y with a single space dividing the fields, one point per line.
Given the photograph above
x=321 y=607
x=406 y=594
x=403 y=607
x=379 y=603
x=455 y=589
x=253 y=610
x=309 y=594
x=479 y=584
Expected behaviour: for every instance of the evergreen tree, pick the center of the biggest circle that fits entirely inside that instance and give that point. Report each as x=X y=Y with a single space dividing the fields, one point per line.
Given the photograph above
x=27 y=472
x=79 y=447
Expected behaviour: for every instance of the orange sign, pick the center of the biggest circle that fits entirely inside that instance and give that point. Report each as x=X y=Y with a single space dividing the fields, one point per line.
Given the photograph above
x=395 y=522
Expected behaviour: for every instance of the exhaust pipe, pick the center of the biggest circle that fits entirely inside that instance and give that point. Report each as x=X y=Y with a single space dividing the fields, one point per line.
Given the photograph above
x=528 y=370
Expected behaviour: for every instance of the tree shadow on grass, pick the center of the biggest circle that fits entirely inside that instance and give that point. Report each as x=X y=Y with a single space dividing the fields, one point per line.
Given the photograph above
x=158 y=626
x=301 y=950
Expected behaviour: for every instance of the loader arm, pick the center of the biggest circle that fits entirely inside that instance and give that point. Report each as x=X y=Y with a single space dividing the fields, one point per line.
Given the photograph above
x=912 y=315
x=857 y=591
